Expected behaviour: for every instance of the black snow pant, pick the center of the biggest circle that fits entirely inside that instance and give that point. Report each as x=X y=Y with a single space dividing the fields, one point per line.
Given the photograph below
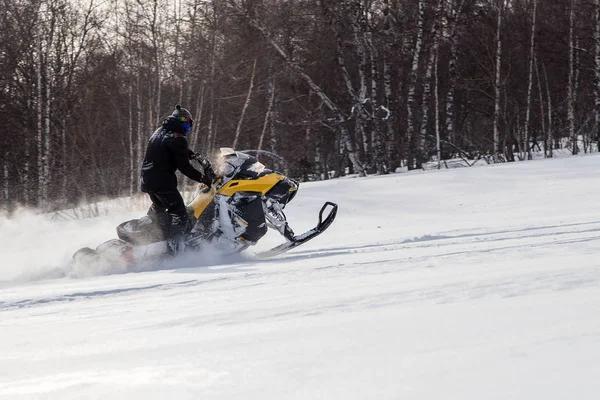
x=165 y=204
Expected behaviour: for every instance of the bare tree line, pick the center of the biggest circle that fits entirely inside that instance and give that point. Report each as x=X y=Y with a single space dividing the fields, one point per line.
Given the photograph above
x=329 y=86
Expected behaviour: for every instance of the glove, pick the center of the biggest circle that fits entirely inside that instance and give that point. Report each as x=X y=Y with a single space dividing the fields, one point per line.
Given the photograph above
x=191 y=155
x=208 y=178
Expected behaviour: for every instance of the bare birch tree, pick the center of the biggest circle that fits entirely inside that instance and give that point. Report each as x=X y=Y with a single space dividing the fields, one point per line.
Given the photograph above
x=549 y=136
x=40 y=107
x=238 y=129
x=269 y=111
x=454 y=12
x=212 y=130
x=436 y=95
x=361 y=95
x=527 y=146
x=25 y=175
x=597 y=71
x=428 y=81
x=541 y=102
x=389 y=33
x=571 y=80
x=6 y=187
x=498 y=67
x=411 y=99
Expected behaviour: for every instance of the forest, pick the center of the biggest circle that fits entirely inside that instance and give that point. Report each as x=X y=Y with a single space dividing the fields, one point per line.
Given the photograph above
x=316 y=88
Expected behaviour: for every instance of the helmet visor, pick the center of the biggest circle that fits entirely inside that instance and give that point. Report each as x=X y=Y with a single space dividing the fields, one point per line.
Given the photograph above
x=185 y=119
x=186 y=127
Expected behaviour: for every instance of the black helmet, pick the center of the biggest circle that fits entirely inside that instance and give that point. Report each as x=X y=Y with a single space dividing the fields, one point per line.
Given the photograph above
x=182 y=114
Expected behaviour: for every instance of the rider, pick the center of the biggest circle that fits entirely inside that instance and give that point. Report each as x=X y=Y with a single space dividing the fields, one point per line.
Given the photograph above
x=168 y=151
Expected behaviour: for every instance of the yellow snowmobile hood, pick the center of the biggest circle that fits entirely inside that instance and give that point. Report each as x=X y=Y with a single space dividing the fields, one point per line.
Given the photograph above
x=261 y=185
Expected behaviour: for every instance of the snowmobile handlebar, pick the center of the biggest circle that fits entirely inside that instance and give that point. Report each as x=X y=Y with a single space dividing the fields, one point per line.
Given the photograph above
x=202 y=160
x=205 y=164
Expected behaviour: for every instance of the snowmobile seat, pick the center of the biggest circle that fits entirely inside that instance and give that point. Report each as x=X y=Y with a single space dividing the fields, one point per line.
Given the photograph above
x=141 y=231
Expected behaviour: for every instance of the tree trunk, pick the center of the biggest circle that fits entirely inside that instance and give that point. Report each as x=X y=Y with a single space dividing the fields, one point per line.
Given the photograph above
x=549 y=136
x=158 y=94
x=213 y=144
x=213 y=65
x=198 y=117
x=40 y=110
x=156 y=34
x=6 y=192
x=132 y=180
x=541 y=100
x=410 y=104
x=139 y=124
x=271 y=94
x=272 y=136
x=64 y=166
x=388 y=136
x=362 y=90
x=452 y=71
x=530 y=82
x=497 y=82
x=47 y=147
x=238 y=129
x=210 y=128
x=597 y=72
x=436 y=95
x=577 y=70
x=26 y=172
x=451 y=89
x=195 y=131
x=347 y=140
x=421 y=142
x=570 y=85
x=377 y=141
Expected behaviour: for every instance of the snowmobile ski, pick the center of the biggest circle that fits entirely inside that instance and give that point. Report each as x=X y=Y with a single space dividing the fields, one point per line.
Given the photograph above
x=306 y=236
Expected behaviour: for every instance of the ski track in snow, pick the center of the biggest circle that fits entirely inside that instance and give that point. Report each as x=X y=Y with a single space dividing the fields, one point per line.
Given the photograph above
x=461 y=299
x=393 y=258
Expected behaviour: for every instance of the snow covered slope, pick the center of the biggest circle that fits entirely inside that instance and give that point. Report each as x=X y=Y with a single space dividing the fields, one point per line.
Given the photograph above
x=477 y=283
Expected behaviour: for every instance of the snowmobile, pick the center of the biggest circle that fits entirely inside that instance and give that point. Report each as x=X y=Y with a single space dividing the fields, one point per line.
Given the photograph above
x=231 y=215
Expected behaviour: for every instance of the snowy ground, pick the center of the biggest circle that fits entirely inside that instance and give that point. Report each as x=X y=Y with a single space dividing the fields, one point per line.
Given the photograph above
x=475 y=283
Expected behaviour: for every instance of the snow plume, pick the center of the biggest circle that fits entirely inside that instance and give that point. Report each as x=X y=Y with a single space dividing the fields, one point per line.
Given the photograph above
x=35 y=245
x=38 y=247
x=208 y=257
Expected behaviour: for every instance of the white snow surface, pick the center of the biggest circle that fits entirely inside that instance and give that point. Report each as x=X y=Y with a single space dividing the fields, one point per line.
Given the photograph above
x=473 y=283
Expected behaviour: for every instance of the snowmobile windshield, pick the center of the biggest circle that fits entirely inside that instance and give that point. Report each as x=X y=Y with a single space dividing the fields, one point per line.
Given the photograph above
x=241 y=165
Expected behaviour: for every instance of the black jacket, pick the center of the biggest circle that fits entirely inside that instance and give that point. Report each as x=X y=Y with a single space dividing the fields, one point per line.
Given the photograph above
x=167 y=152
